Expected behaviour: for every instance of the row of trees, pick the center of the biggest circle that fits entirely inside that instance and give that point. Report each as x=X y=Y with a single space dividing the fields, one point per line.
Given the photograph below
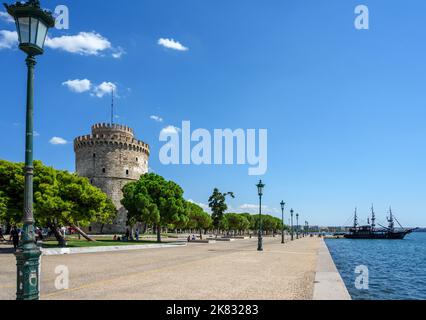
x=60 y=198
x=244 y=222
x=152 y=200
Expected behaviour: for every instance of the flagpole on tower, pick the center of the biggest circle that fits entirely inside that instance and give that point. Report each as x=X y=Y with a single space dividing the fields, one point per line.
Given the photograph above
x=112 y=104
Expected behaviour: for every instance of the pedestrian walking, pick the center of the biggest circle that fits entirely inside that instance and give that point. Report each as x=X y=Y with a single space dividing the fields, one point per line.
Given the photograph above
x=137 y=234
x=14 y=237
x=39 y=234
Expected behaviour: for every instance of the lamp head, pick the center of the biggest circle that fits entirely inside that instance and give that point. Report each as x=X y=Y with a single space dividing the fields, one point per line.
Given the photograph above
x=32 y=24
x=260 y=187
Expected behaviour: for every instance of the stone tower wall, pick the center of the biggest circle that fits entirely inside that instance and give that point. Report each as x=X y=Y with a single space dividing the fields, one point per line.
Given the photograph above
x=110 y=158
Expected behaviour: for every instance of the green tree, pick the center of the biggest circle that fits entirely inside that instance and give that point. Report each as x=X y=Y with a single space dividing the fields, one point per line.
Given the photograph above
x=238 y=223
x=198 y=218
x=12 y=190
x=223 y=224
x=154 y=200
x=268 y=223
x=60 y=198
x=244 y=223
x=231 y=221
x=3 y=206
x=218 y=206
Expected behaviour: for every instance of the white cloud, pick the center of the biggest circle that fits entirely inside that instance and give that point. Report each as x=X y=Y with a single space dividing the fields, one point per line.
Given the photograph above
x=36 y=134
x=250 y=208
x=84 y=43
x=78 y=86
x=170 y=130
x=172 y=44
x=156 y=118
x=6 y=17
x=8 y=39
x=85 y=85
x=58 y=141
x=103 y=89
x=118 y=53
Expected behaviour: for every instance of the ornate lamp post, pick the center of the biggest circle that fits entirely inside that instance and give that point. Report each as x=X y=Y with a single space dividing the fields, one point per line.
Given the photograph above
x=297 y=226
x=282 y=231
x=260 y=187
x=32 y=24
x=292 y=228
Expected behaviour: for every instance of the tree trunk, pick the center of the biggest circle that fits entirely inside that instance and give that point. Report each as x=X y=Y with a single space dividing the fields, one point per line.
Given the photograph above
x=102 y=228
x=83 y=234
x=158 y=234
x=8 y=227
x=201 y=234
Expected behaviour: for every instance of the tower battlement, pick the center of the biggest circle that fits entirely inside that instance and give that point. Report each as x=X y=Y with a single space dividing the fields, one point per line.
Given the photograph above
x=100 y=127
x=114 y=136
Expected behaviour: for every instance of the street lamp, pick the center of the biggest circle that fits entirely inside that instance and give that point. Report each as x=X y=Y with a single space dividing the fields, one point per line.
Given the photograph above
x=282 y=231
x=292 y=229
x=297 y=226
x=260 y=187
x=32 y=24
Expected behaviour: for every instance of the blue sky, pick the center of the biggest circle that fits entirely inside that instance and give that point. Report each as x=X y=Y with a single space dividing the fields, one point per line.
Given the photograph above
x=345 y=109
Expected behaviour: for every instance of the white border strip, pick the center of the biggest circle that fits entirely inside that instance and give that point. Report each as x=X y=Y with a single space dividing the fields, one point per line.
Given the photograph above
x=329 y=285
x=62 y=251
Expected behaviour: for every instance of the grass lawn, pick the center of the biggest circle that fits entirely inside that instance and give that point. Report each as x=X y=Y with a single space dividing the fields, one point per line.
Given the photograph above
x=74 y=243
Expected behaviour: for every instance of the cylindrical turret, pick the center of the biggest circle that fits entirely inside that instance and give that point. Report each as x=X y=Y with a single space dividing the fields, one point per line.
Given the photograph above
x=110 y=158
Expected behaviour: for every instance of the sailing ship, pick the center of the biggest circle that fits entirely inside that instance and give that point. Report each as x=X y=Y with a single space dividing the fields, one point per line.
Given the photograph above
x=371 y=232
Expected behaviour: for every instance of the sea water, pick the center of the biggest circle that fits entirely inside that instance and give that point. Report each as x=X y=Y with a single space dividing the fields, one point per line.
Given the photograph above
x=393 y=269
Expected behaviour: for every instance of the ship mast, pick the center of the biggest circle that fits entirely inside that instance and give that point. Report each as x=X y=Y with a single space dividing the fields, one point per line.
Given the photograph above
x=373 y=218
x=356 y=219
x=391 y=220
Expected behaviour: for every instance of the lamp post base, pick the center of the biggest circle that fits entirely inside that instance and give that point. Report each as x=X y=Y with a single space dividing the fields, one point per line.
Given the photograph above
x=260 y=245
x=28 y=271
x=27 y=262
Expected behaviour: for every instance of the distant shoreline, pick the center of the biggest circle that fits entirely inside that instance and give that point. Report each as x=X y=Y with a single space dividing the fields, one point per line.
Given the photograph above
x=421 y=230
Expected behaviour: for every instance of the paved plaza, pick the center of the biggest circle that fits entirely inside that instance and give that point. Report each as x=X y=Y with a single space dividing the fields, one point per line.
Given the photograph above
x=225 y=270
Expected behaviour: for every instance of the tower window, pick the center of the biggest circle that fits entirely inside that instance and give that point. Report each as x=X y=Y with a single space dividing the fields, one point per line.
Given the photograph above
x=137 y=159
x=94 y=155
x=127 y=172
x=103 y=170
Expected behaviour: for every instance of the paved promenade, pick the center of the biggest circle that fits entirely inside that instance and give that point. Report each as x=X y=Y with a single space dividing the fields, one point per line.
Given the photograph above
x=232 y=270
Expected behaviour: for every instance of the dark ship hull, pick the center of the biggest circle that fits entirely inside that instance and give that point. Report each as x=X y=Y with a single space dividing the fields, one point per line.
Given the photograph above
x=377 y=235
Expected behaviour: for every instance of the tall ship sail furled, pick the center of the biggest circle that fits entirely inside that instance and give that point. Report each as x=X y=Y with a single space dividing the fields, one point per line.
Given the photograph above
x=371 y=232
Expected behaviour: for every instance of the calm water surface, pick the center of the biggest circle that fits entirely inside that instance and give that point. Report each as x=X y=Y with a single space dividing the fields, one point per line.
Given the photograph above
x=397 y=268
